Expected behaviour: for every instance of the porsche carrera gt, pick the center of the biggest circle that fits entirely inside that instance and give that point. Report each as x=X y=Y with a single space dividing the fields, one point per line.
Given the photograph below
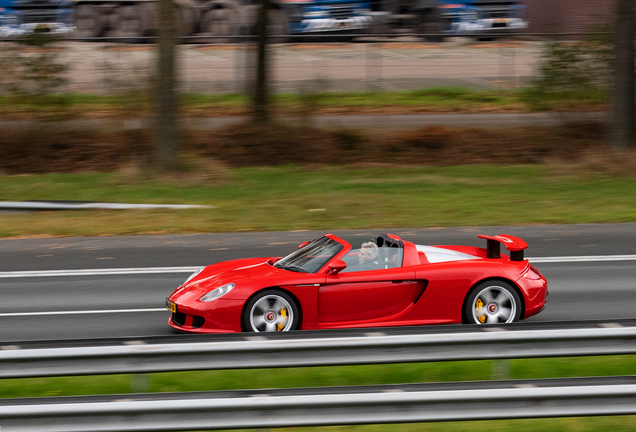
x=331 y=283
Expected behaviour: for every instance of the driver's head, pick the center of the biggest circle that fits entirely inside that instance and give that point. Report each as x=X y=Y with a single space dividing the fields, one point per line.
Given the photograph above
x=368 y=251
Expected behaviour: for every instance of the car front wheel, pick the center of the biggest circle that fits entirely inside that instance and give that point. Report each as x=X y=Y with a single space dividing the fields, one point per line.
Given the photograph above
x=270 y=311
x=493 y=302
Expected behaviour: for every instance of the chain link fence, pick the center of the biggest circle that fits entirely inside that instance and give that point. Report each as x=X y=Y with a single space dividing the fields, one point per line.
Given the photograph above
x=112 y=66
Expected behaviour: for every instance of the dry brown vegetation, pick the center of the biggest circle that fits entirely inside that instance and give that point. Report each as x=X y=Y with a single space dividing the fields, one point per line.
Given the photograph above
x=55 y=148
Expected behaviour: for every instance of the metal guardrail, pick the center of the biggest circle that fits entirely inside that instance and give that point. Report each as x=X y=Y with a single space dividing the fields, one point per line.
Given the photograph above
x=53 y=206
x=256 y=351
x=317 y=407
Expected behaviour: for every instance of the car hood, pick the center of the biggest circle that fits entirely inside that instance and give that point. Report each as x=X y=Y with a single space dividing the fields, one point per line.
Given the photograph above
x=232 y=272
x=240 y=272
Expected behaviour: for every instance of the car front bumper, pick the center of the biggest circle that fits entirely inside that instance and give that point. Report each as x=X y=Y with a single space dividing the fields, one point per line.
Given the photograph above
x=218 y=316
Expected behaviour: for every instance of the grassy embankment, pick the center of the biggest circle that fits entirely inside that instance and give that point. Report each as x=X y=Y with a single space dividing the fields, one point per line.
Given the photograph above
x=326 y=198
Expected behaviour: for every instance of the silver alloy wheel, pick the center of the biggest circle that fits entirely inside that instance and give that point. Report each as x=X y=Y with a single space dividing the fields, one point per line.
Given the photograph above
x=494 y=305
x=271 y=313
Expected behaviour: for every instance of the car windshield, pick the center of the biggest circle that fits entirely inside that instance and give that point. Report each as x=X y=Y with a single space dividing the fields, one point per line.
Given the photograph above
x=311 y=257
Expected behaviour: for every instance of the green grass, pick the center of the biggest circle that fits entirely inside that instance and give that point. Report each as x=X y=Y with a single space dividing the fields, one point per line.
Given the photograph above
x=338 y=197
x=323 y=376
x=443 y=99
x=200 y=99
x=537 y=99
x=434 y=97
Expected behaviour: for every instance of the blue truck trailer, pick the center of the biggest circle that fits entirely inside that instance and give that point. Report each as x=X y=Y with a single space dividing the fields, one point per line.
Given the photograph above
x=327 y=16
x=436 y=19
x=221 y=19
x=21 y=17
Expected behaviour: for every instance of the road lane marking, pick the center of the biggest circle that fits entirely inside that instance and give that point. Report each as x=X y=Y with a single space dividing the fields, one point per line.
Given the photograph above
x=169 y=270
x=591 y=258
x=165 y=270
x=109 y=311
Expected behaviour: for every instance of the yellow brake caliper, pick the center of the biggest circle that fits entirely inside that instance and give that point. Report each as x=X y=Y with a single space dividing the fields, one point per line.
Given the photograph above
x=480 y=304
x=281 y=326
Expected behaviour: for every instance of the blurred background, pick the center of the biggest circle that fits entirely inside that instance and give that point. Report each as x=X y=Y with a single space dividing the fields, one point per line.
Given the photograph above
x=197 y=89
x=173 y=71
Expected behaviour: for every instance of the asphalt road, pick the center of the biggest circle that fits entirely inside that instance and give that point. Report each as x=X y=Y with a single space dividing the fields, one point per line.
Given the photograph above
x=118 y=305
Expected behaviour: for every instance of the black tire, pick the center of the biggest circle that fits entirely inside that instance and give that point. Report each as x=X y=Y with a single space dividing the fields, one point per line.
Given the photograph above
x=493 y=302
x=88 y=21
x=270 y=310
x=131 y=22
x=220 y=24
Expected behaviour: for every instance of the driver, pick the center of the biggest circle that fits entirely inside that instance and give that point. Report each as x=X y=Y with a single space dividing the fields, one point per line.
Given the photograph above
x=368 y=256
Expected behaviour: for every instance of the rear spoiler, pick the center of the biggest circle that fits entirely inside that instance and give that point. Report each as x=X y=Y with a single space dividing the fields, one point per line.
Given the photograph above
x=514 y=244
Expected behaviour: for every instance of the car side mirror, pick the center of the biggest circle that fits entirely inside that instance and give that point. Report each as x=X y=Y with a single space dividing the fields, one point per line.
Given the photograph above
x=303 y=244
x=336 y=266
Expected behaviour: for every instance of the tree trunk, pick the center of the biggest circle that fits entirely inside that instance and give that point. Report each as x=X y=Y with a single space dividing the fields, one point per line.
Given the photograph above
x=261 y=96
x=623 y=122
x=166 y=139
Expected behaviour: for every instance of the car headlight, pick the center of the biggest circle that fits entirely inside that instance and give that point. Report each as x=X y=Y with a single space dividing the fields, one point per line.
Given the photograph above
x=217 y=292
x=193 y=275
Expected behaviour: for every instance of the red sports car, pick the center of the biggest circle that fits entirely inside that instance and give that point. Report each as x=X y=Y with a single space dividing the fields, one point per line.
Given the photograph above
x=329 y=283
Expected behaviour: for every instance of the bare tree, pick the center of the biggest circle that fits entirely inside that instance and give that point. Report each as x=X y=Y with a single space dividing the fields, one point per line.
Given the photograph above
x=261 y=94
x=167 y=136
x=623 y=122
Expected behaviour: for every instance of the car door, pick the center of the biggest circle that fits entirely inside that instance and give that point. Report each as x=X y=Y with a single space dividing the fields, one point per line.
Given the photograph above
x=364 y=295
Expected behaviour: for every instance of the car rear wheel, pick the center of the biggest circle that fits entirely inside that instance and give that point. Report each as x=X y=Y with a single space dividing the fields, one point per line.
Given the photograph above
x=269 y=311
x=493 y=302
